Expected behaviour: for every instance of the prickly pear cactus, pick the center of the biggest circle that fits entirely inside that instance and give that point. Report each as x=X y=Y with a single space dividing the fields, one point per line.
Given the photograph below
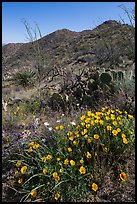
x=120 y=75
x=78 y=92
x=105 y=78
x=57 y=101
x=114 y=75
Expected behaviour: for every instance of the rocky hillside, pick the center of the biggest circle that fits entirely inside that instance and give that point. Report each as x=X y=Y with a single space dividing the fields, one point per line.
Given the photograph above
x=110 y=44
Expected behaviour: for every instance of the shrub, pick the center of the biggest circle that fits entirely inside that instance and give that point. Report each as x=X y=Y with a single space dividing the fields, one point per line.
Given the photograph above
x=25 y=78
x=76 y=160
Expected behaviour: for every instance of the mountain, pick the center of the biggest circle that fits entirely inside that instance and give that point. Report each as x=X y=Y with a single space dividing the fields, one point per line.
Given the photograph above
x=110 y=43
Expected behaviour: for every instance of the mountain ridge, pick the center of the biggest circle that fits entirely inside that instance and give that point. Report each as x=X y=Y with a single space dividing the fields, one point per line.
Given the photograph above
x=64 y=46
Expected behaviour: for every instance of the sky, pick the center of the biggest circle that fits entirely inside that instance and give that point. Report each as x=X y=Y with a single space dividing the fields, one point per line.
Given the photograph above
x=52 y=16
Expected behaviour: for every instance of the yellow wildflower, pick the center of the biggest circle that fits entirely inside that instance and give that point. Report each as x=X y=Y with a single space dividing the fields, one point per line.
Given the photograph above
x=87 y=120
x=75 y=142
x=130 y=116
x=57 y=196
x=118 y=130
x=30 y=149
x=69 y=133
x=66 y=161
x=105 y=149
x=96 y=121
x=87 y=126
x=88 y=155
x=123 y=176
x=83 y=117
x=20 y=180
x=72 y=162
x=57 y=178
x=112 y=116
x=85 y=136
x=94 y=187
x=115 y=132
x=61 y=127
x=92 y=122
x=120 y=123
x=82 y=123
x=107 y=118
x=45 y=171
x=89 y=140
x=57 y=127
x=16 y=172
x=81 y=161
x=69 y=149
x=84 y=132
x=32 y=143
x=101 y=122
x=33 y=193
x=109 y=127
x=36 y=146
x=71 y=138
x=43 y=159
x=49 y=156
x=61 y=170
x=58 y=159
x=18 y=164
x=89 y=113
x=125 y=141
x=114 y=123
x=82 y=170
x=23 y=169
x=55 y=174
x=96 y=136
x=123 y=135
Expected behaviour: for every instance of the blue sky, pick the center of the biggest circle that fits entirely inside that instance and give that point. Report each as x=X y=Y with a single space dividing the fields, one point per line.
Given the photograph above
x=51 y=16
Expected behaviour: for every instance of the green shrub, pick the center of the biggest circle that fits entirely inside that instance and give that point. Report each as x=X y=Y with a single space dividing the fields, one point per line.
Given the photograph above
x=78 y=158
x=25 y=78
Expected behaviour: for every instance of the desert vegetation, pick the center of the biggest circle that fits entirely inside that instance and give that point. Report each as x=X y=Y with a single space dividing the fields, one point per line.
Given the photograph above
x=68 y=119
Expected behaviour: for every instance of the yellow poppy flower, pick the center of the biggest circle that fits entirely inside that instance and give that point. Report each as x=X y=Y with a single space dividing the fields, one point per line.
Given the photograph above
x=83 y=117
x=18 y=164
x=71 y=138
x=66 y=161
x=123 y=135
x=20 y=180
x=123 y=176
x=96 y=136
x=84 y=132
x=69 y=149
x=55 y=174
x=114 y=123
x=87 y=126
x=72 y=162
x=23 y=169
x=45 y=171
x=114 y=132
x=81 y=161
x=89 y=140
x=49 y=156
x=33 y=193
x=61 y=170
x=43 y=159
x=94 y=187
x=61 y=127
x=109 y=127
x=57 y=196
x=75 y=142
x=125 y=141
x=88 y=155
x=82 y=170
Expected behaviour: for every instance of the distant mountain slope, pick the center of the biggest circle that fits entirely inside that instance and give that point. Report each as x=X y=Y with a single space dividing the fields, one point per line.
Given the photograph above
x=63 y=48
